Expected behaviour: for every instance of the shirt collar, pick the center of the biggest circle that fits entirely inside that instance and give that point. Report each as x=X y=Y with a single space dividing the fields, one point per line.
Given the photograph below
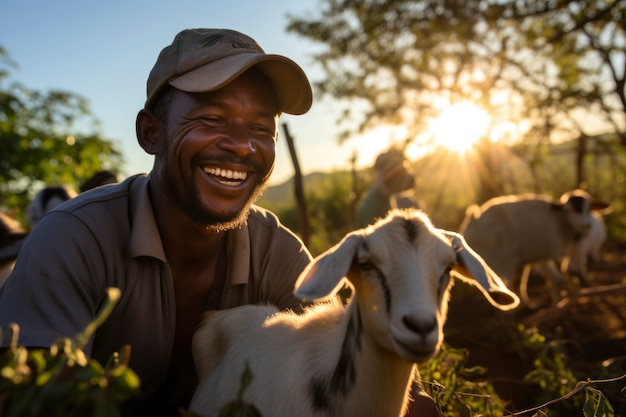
x=238 y=249
x=145 y=239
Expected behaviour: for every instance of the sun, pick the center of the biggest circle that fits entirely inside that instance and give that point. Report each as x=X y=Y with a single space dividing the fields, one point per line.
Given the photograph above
x=459 y=126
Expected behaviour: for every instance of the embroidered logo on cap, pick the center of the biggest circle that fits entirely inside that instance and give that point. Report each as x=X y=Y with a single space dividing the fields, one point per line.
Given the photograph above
x=213 y=39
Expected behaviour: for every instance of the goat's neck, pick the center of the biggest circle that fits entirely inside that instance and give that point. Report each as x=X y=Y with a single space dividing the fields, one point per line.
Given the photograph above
x=364 y=371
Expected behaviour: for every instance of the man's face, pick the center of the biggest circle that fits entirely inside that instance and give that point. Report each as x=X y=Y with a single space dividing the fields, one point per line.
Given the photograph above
x=219 y=150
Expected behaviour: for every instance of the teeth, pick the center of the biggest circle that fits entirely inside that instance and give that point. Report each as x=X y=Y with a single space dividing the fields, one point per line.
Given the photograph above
x=227 y=173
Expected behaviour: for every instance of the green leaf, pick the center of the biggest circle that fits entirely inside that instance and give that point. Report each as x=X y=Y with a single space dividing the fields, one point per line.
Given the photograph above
x=596 y=404
x=246 y=378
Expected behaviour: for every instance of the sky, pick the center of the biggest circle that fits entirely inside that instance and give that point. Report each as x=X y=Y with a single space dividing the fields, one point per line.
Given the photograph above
x=103 y=51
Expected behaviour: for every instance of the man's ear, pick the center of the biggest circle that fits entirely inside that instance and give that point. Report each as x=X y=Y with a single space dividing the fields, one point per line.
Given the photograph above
x=148 y=129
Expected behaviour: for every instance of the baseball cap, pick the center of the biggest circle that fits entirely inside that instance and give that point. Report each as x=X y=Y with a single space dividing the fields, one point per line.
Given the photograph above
x=203 y=60
x=389 y=161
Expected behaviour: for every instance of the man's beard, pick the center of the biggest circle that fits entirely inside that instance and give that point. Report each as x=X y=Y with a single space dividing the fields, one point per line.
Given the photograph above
x=211 y=221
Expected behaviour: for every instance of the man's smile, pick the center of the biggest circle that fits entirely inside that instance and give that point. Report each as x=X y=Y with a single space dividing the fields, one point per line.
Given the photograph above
x=226 y=176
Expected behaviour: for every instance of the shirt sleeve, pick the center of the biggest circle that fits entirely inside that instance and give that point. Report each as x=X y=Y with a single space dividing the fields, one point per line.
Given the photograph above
x=53 y=291
x=287 y=264
x=279 y=256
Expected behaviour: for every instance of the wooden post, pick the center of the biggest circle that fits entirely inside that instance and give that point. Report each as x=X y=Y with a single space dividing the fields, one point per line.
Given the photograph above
x=298 y=187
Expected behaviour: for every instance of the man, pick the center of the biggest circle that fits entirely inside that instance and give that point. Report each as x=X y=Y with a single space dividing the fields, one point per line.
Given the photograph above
x=98 y=179
x=181 y=240
x=392 y=188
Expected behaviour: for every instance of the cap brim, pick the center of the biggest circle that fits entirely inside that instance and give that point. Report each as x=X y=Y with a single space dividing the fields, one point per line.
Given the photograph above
x=289 y=81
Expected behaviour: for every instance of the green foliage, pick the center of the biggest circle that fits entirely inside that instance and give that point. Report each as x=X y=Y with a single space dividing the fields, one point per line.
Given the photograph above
x=552 y=372
x=238 y=407
x=457 y=390
x=460 y=391
x=46 y=138
x=61 y=381
x=596 y=404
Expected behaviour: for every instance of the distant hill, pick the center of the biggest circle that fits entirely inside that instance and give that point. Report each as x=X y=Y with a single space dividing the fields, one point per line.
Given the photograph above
x=282 y=195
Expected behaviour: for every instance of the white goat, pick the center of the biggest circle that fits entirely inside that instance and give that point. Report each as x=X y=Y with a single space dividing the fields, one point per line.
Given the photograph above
x=586 y=249
x=513 y=232
x=336 y=361
x=575 y=263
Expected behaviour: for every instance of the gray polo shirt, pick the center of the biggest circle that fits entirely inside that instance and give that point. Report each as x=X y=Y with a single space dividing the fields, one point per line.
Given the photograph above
x=108 y=237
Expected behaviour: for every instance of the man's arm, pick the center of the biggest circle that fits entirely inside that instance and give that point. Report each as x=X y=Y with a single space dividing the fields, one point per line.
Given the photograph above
x=52 y=290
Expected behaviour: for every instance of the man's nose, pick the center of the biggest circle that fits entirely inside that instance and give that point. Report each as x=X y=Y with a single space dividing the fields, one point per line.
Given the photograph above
x=238 y=140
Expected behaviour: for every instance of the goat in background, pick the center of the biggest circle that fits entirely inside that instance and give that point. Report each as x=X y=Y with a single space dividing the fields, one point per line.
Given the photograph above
x=512 y=232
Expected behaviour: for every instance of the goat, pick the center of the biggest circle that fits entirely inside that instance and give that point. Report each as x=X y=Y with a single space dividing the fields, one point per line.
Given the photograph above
x=512 y=232
x=587 y=249
x=47 y=199
x=353 y=361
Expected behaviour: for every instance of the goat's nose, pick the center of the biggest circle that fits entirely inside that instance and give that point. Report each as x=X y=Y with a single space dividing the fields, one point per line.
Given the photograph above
x=420 y=325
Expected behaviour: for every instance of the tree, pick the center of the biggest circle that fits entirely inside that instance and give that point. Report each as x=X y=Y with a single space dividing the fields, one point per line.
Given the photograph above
x=583 y=42
x=41 y=143
x=549 y=69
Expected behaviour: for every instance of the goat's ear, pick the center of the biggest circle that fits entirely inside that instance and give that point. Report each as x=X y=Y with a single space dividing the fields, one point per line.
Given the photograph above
x=476 y=272
x=601 y=207
x=327 y=271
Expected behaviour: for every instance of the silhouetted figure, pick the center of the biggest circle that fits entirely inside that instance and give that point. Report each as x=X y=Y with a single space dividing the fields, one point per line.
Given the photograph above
x=47 y=199
x=392 y=188
x=98 y=179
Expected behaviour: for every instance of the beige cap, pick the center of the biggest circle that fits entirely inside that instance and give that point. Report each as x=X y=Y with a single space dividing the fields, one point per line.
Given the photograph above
x=203 y=60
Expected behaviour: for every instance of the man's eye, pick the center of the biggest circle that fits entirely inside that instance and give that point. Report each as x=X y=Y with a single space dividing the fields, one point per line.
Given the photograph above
x=212 y=120
x=265 y=136
x=262 y=130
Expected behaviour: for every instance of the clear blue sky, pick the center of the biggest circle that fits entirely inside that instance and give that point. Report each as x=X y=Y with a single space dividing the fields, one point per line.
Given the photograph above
x=104 y=51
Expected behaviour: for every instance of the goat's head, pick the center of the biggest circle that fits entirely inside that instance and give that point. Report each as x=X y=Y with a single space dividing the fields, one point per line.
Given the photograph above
x=576 y=207
x=400 y=269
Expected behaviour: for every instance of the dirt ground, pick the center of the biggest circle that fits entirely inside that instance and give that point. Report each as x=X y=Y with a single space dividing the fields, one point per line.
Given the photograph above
x=588 y=325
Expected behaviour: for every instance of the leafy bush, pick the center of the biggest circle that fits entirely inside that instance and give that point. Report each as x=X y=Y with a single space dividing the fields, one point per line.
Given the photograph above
x=61 y=381
x=460 y=391
x=454 y=387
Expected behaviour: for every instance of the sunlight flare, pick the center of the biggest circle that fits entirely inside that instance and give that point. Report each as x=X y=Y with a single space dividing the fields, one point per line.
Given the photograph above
x=376 y=140
x=459 y=126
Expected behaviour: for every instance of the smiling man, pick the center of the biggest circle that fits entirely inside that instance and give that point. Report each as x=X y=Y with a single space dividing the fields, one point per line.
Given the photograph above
x=181 y=240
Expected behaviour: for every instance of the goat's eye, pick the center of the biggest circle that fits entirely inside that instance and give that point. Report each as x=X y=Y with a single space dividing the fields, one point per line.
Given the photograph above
x=444 y=280
x=365 y=264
